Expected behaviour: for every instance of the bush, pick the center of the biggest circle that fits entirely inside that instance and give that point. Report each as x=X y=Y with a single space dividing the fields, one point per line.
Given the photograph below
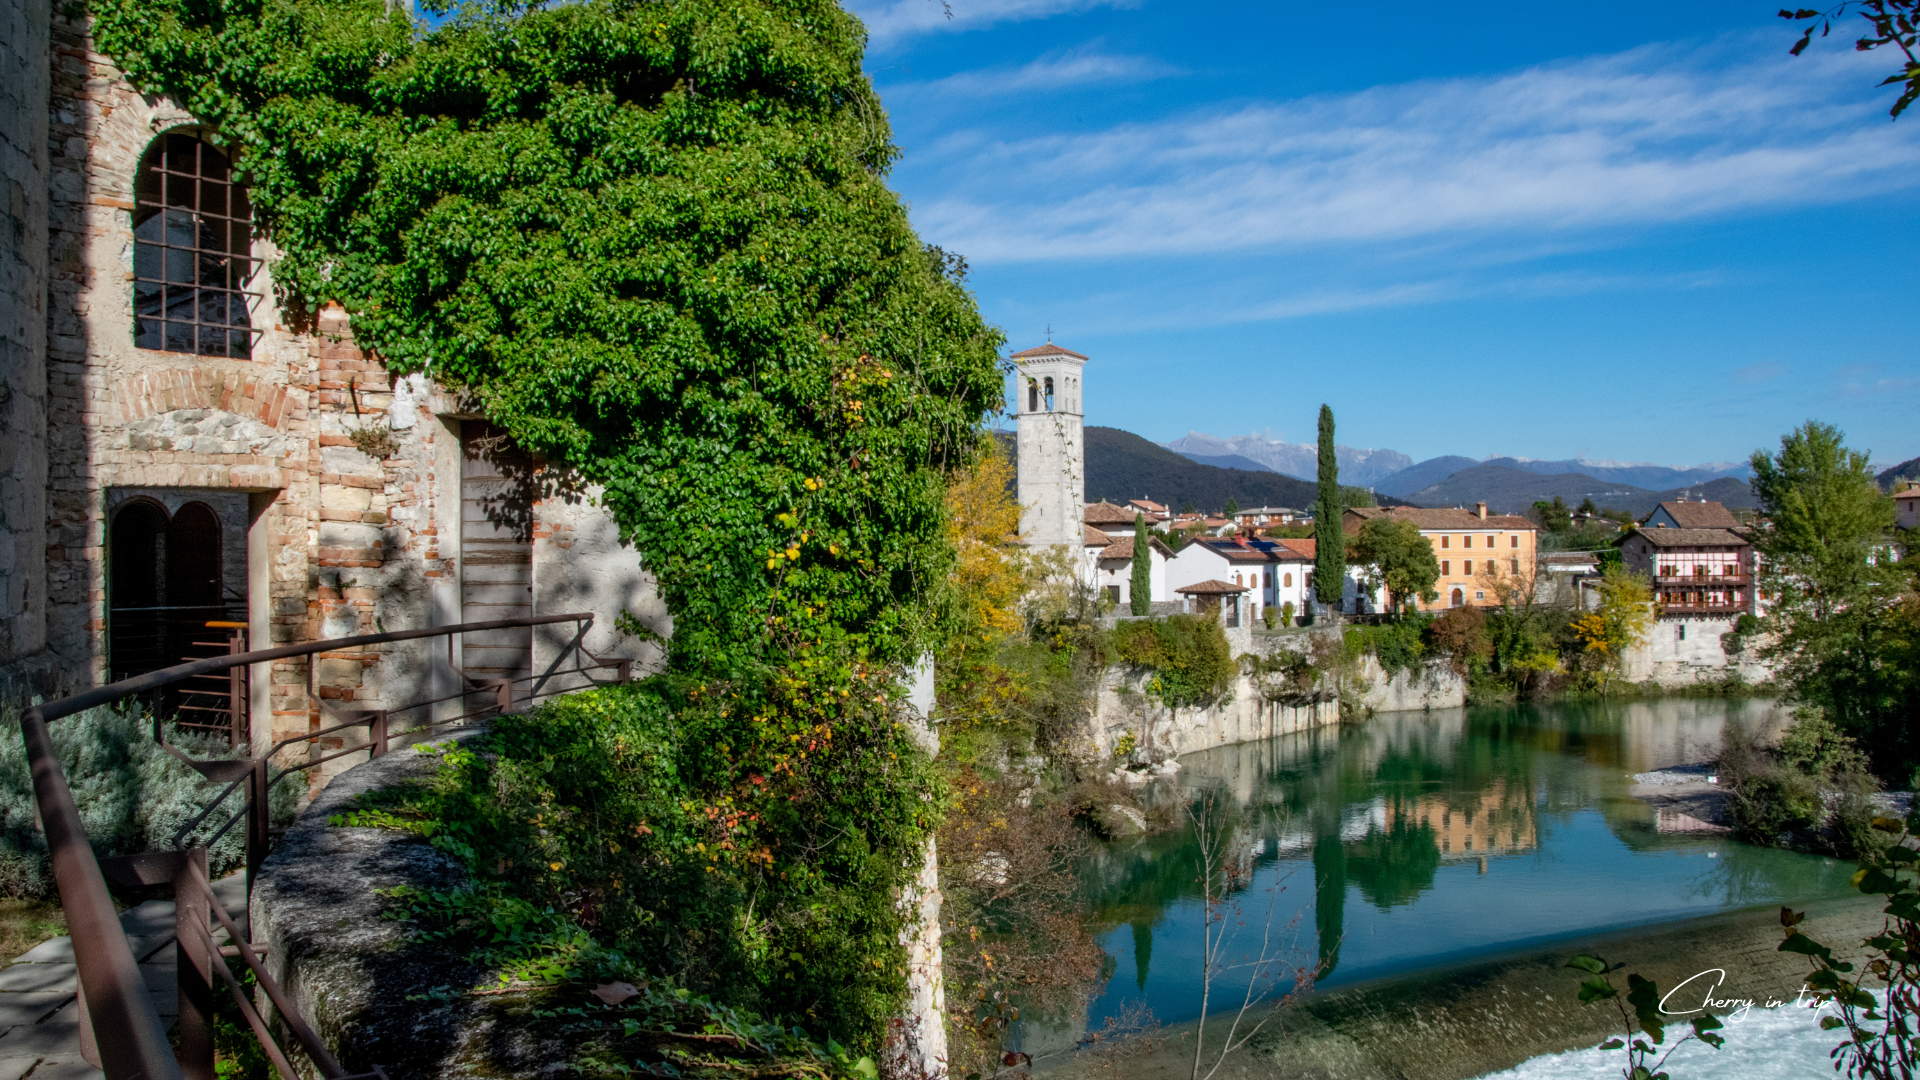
x=635 y=824
x=1187 y=654
x=1815 y=781
x=1399 y=646
x=1772 y=800
x=132 y=794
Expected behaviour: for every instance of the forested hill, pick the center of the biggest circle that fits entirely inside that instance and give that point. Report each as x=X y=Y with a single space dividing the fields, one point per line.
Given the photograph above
x=1122 y=466
x=1906 y=470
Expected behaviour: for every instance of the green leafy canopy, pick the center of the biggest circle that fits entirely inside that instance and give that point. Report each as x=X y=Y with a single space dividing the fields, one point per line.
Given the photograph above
x=653 y=242
x=651 y=239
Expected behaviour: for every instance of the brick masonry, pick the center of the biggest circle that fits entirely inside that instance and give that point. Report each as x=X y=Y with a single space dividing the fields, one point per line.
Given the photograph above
x=338 y=542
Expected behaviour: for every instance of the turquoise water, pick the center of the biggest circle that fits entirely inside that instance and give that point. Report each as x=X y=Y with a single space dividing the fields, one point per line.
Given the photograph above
x=1415 y=840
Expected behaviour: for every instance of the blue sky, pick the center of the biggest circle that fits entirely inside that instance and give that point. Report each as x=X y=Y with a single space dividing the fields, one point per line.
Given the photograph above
x=1541 y=230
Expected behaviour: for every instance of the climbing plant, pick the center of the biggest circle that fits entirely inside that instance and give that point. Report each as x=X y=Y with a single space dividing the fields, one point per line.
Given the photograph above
x=652 y=241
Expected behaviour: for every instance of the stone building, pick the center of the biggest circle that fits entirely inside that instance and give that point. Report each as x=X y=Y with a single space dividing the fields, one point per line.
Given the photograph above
x=1051 y=458
x=180 y=451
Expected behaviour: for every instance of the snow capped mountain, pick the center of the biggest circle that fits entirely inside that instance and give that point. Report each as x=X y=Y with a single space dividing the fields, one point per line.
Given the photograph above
x=1358 y=467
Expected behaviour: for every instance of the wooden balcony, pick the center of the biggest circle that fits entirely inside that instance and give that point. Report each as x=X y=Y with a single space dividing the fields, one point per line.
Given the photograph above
x=1694 y=581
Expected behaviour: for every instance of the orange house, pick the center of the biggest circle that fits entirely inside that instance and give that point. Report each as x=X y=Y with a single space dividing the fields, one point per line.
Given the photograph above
x=1471 y=545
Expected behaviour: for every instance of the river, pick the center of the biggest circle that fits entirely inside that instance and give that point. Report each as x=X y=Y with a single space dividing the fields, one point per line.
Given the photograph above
x=1419 y=840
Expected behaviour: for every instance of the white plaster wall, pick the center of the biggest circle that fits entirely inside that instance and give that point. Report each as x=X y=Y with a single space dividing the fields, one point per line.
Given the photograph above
x=1668 y=660
x=579 y=564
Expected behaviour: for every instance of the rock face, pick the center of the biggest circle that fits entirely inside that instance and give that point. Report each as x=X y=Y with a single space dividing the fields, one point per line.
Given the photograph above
x=350 y=971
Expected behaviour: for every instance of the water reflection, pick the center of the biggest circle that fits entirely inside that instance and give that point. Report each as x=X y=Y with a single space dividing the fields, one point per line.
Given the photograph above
x=1428 y=838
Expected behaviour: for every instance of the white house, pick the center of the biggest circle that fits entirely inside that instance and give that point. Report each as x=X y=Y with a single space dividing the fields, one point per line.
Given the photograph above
x=1113 y=570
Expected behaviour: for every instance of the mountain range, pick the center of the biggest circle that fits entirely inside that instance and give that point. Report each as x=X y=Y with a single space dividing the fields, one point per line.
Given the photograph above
x=1507 y=490
x=1360 y=468
x=1390 y=472
x=1122 y=466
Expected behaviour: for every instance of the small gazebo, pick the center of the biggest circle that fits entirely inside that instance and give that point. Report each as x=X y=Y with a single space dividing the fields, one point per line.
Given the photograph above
x=1212 y=596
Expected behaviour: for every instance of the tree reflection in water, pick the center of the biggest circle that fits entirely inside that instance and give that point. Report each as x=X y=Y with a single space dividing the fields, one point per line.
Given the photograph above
x=1435 y=837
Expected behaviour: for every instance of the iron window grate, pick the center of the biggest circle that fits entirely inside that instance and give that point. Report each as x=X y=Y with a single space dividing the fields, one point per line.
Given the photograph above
x=192 y=252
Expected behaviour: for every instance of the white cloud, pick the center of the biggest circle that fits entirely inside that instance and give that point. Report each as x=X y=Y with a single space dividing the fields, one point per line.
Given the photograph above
x=1076 y=67
x=888 y=21
x=1655 y=134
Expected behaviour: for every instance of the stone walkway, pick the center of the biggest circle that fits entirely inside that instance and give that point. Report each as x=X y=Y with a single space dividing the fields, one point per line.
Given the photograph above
x=39 y=1022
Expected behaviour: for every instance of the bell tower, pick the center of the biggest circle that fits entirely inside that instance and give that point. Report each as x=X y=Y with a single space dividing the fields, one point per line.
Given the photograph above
x=1051 y=471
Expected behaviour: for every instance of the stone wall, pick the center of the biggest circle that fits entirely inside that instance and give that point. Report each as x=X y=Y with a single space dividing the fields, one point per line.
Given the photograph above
x=322 y=538
x=1686 y=651
x=1434 y=686
x=24 y=36
x=1122 y=707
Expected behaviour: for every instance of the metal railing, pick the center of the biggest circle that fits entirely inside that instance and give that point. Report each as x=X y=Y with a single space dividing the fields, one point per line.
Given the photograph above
x=120 y=1030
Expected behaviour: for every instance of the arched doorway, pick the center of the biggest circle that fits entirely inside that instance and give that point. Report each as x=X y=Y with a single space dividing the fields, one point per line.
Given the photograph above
x=1459 y=598
x=165 y=584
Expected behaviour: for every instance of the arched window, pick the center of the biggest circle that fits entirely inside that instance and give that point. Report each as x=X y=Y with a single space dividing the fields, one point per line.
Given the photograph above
x=1033 y=396
x=1049 y=393
x=192 y=243
x=1287 y=580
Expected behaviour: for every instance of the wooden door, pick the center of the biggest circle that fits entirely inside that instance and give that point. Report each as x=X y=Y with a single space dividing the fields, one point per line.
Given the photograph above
x=496 y=551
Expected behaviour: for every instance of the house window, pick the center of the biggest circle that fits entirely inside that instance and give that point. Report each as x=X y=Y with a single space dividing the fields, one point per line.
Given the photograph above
x=1466 y=568
x=1113 y=593
x=192 y=246
x=1446 y=568
x=1287 y=580
x=1267 y=579
x=1514 y=540
x=1516 y=565
x=1680 y=632
x=1446 y=541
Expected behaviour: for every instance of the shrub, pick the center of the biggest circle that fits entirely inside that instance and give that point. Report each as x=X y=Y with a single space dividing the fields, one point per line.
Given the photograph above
x=1399 y=646
x=757 y=863
x=1816 y=780
x=1772 y=800
x=1461 y=635
x=132 y=794
x=1187 y=654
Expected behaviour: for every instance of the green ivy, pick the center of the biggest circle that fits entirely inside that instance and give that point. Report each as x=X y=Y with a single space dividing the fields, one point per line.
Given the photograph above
x=653 y=242
x=1187 y=656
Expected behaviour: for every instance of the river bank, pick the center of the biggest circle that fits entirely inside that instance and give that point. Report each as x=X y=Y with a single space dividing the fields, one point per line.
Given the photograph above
x=1463 y=1021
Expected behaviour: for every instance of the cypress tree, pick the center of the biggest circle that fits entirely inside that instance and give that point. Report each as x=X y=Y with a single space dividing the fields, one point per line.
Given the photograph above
x=1140 y=592
x=1330 y=549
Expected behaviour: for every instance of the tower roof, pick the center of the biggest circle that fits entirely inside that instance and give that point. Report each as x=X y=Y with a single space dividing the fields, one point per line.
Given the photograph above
x=1043 y=351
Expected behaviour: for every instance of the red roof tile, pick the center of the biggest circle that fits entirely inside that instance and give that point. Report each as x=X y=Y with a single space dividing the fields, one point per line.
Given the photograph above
x=1211 y=588
x=1049 y=349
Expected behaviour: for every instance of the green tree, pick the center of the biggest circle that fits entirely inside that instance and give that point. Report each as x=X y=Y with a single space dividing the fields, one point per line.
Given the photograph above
x=1554 y=516
x=1140 y=589
x=1400 y=559
x=1330 y=554
x=1232 y=507
x=1889 y=22
x=1356 y=496
x=1839 y=638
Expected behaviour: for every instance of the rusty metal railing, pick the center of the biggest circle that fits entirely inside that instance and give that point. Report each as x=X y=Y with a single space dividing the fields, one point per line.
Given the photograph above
x=121 y=1031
